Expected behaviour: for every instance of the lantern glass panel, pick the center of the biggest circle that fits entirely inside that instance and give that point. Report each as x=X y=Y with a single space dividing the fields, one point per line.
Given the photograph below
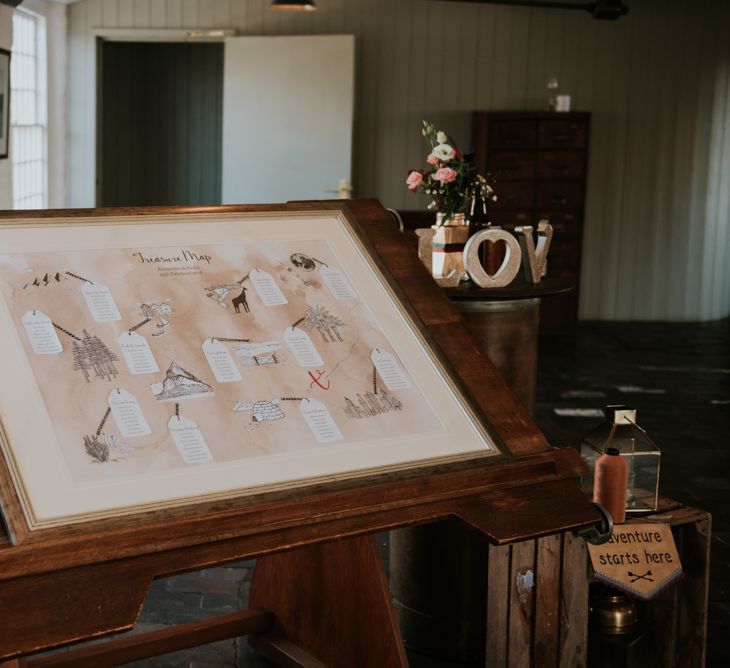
x=620 y=431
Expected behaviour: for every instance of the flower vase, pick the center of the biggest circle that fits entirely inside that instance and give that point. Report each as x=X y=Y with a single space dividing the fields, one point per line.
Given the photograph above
x=450 y=237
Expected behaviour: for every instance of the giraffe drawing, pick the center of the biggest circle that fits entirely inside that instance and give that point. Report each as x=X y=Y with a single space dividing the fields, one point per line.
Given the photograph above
x=241 y=301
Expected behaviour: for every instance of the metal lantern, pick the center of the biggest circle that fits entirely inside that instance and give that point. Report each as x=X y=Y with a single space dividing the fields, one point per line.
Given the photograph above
x=620 y=431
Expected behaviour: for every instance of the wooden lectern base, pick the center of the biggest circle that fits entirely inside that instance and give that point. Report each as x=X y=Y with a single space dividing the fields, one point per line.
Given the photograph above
x=333 y=601
x=326 y=604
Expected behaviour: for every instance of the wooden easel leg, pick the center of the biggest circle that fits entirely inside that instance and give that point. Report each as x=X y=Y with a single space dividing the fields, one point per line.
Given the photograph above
x=333 y=601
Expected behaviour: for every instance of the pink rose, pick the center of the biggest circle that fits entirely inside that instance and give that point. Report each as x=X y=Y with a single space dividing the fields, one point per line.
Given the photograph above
x=414 y=180
x=432 y=159
x=445 y=175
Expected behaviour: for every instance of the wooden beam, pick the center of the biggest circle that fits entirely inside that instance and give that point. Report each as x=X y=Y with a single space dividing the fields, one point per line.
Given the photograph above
x=154 y=643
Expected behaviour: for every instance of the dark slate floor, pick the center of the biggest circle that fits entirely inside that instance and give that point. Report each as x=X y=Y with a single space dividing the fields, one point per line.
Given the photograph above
x=678 y=378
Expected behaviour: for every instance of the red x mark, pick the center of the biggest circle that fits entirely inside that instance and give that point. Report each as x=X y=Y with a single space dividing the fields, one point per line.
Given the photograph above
x=316 y=380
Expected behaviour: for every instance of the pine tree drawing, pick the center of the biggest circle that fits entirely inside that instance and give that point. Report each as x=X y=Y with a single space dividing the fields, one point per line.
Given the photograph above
x=92 y=353
x=319 y=318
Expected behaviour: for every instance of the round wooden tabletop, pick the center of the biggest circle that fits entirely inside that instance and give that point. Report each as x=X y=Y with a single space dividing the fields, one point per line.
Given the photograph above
x=518 y=289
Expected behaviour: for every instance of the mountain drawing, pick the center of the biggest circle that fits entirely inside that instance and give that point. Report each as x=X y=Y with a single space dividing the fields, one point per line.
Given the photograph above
x=45 y=281
x=179 y=384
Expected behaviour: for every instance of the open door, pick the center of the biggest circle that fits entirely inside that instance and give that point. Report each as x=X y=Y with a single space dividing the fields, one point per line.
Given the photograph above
x=287 y=117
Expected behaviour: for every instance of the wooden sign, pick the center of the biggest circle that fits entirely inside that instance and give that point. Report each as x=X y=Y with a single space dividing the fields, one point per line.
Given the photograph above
x=640 y=559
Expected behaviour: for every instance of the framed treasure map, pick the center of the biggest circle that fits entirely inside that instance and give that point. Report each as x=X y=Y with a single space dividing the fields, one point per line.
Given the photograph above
x=159 y=360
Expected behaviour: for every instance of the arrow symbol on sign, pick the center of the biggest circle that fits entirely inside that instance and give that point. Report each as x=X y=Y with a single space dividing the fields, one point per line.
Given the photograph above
x=640 y=577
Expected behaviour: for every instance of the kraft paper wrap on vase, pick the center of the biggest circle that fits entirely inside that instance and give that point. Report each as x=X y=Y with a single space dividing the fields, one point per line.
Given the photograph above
x=449 y=239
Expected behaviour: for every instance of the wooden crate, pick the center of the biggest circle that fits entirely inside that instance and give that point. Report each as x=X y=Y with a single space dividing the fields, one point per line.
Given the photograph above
x=537 y=608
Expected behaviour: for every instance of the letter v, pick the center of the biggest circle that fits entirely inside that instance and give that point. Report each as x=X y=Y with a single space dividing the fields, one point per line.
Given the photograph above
x=534 y=259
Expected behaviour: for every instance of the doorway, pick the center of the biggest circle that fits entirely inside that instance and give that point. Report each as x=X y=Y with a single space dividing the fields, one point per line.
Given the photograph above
x=160 y=123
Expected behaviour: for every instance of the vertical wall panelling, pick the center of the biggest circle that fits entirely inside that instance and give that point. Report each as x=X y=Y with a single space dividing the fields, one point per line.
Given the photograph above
x=125 y=12
x=716 y=274
x=109 y=15
x=656 y=82
x=141 y=13
x=190 y=14
x=535 y=92
x=173 y=14
x=156 y=15
x=676 y=154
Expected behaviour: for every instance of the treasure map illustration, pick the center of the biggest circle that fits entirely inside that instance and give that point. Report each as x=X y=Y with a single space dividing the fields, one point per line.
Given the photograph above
x=154 y=359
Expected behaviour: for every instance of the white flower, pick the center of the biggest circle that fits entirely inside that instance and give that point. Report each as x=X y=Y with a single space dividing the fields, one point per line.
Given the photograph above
x=441 y=137
x=443 y=152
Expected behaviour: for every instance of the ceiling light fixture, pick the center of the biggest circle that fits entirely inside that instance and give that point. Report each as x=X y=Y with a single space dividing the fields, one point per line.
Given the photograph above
x=293 y=5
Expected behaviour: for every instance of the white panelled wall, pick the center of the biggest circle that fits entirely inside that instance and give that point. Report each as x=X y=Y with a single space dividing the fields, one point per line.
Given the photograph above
x=657 y=83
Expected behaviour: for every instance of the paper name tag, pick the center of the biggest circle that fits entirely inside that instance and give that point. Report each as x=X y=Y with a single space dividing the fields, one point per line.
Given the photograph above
x=221 y=362
x=389 y=370
x=266 y=288
x=41 y=333
x=337 y=283
x=137 y=354
x=127 y=414
x=301 y=345
x=189 y=441
x=320 y=421
x=100 y=302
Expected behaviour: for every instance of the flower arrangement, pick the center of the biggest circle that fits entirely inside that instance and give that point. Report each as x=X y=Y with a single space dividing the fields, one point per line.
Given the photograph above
x=451 y=179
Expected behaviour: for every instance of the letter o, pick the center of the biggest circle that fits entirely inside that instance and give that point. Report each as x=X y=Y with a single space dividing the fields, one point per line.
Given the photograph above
x=509 y=268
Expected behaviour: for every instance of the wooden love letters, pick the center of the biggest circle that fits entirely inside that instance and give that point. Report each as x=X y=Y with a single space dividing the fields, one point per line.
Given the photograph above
x=520 y=250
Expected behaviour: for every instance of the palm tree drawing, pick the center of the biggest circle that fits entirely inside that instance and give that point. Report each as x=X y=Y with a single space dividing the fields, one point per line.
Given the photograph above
x=319 y=318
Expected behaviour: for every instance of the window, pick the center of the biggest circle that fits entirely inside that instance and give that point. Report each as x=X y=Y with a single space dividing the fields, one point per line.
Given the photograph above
x=28 y=121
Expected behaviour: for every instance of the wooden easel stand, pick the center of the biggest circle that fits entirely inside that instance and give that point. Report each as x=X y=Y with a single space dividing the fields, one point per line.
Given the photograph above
x=320 y=595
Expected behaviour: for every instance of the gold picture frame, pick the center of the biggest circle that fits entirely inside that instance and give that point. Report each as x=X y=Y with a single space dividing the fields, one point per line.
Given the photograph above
x=73 y=453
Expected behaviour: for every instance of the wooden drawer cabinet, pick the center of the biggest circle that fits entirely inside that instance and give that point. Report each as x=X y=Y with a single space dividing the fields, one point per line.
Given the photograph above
x=511 y=134
x=560 y=165
x=562 y=134
x=539 y=161
x=512 y=165
x=509 y=218
x=563 y=258
x=567 y=225
x=515 y=195
x=559 y=195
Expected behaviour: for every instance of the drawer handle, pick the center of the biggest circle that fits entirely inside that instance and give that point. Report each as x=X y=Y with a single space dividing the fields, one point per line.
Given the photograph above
x=559 y=199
